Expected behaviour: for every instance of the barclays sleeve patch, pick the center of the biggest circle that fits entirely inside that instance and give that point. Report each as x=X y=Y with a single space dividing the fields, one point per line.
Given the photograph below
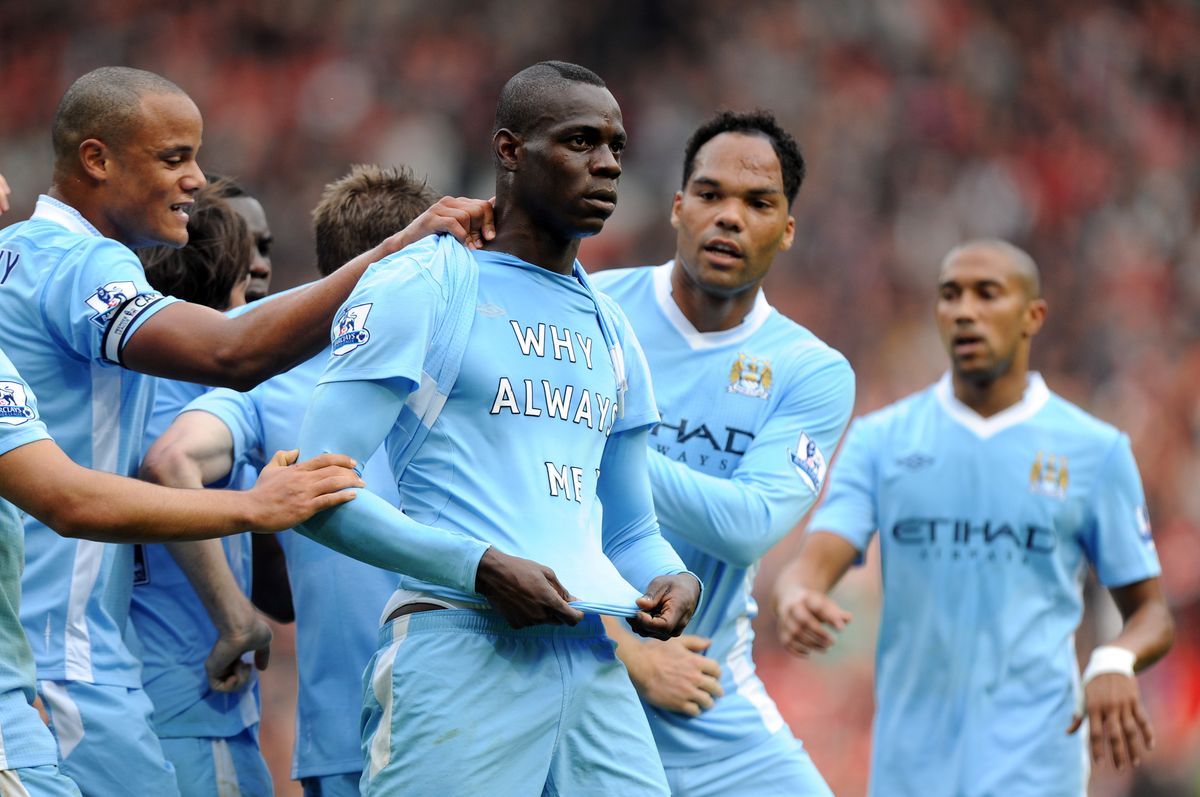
x=809 y=462
x=350 y=331
x=107 y=298
x=14 y=404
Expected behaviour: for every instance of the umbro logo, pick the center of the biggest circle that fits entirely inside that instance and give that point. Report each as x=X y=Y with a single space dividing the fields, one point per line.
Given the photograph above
x=490 y=310
x=915 y=461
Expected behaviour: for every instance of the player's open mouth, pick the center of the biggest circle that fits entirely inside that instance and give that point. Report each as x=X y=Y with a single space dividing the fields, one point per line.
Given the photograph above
x=720 y=250
x=966 y=344
x=181 y=209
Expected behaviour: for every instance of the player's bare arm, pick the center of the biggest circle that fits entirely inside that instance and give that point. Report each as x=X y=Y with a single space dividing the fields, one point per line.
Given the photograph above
x=5 y=191
x=197 y=344
x=673 y=675
x=80 y=502
x=197 y=450
x=1119 y=729
x=807 y=615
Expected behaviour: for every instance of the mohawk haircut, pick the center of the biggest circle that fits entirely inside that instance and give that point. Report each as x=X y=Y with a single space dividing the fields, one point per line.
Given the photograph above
x=526 y=93
x=215 y=259
x=361 y=209
x=755 y=123
x=104 y=104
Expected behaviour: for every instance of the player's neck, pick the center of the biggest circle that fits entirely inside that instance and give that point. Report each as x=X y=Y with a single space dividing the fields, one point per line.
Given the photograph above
x=708 y=312
x=989 y=397
x=517 y=235
x=81 y=202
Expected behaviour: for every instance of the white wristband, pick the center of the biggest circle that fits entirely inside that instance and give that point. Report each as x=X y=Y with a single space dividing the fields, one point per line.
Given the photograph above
x=1105 y=659
x=1109 y=659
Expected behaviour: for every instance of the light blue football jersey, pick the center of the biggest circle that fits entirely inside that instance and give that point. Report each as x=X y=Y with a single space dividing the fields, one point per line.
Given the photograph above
x=70 y=299
x=338 y=600
x=749 y=416
x=513 y=457
x=986 y=529
x=173 y=634
x=25 y=741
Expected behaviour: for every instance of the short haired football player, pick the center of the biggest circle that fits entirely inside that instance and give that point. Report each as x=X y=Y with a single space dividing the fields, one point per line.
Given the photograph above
x=991 y=496
x=213 y=269
x=337 y=599
x=752 y=404
x=84 y=327
x=512 y=397
x=38 y=478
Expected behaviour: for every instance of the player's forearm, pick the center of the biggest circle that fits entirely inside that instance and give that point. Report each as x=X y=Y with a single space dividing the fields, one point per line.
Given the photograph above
x=734 y=521
x=208 y=572
x=375 y=532
x=631 y=536
x=824 y=559
x=1149 y=630
x=108 y=508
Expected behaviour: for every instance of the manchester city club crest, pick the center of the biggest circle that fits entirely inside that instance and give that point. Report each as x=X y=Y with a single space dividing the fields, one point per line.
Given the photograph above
x=14 y=405
x=1049 y=476
x=750 y=376
x=350 y=331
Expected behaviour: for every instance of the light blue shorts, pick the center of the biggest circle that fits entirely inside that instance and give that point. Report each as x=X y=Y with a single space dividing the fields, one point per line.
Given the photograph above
x=779 y=767
x=219 y=766
x=106 y=741
x=344 y=784
x=44 y=781
x=457 y=703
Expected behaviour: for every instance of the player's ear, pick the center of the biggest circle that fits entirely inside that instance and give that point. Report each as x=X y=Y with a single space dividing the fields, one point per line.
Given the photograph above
x=1035 y=316
x=94 y=158
x=675 y=203
x=789 y=235
x=507 y=146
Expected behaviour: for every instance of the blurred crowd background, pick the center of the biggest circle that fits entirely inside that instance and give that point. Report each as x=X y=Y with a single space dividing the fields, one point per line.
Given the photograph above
x=1067 y=126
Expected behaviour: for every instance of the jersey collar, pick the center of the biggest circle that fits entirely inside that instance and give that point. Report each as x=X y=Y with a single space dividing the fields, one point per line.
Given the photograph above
x=1035 y=397
x=50 y=209
x=696 y=339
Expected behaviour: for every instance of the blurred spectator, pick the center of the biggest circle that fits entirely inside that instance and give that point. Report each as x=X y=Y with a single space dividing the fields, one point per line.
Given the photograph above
x=1072 y=128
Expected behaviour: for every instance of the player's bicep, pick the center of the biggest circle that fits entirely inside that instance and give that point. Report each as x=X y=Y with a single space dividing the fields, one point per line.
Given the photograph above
x=196 y=442
x=185 y=341
x=351 y=417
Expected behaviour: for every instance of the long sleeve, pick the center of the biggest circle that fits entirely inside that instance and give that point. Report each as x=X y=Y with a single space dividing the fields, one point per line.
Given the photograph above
x=631 y=537
x=738 y=519
x=369 y=528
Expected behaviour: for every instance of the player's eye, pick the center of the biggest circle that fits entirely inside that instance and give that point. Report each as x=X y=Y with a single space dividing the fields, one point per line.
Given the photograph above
x=263 y=245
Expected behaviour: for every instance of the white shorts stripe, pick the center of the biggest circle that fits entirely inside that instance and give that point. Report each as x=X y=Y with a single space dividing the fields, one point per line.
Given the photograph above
x=10 y=784
x=226 y=772
x=64 y=716
x=381 y=685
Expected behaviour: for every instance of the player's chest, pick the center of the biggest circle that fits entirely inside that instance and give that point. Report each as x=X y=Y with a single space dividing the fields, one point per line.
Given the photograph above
x=712 y=404
x=539 y=354
x=962 y=498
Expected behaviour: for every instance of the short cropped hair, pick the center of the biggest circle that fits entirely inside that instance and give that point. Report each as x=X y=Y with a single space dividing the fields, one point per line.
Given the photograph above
x=361 y=209
x=105 y=104
x=215 y=259
x=754 y=123
x=525 y=94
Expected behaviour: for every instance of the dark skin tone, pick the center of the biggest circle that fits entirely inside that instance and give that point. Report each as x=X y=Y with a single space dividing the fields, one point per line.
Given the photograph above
x=988 y=311
x=557 y=184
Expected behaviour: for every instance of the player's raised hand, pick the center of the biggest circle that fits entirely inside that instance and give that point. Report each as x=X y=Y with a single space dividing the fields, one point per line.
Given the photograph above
x=1117 y=721
x=4 y=194
x=523 y=591
x=673 y=675
x=286 y=493
x=470 y=221
x=667 y=606
x=226 y=665
x=805 y=619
